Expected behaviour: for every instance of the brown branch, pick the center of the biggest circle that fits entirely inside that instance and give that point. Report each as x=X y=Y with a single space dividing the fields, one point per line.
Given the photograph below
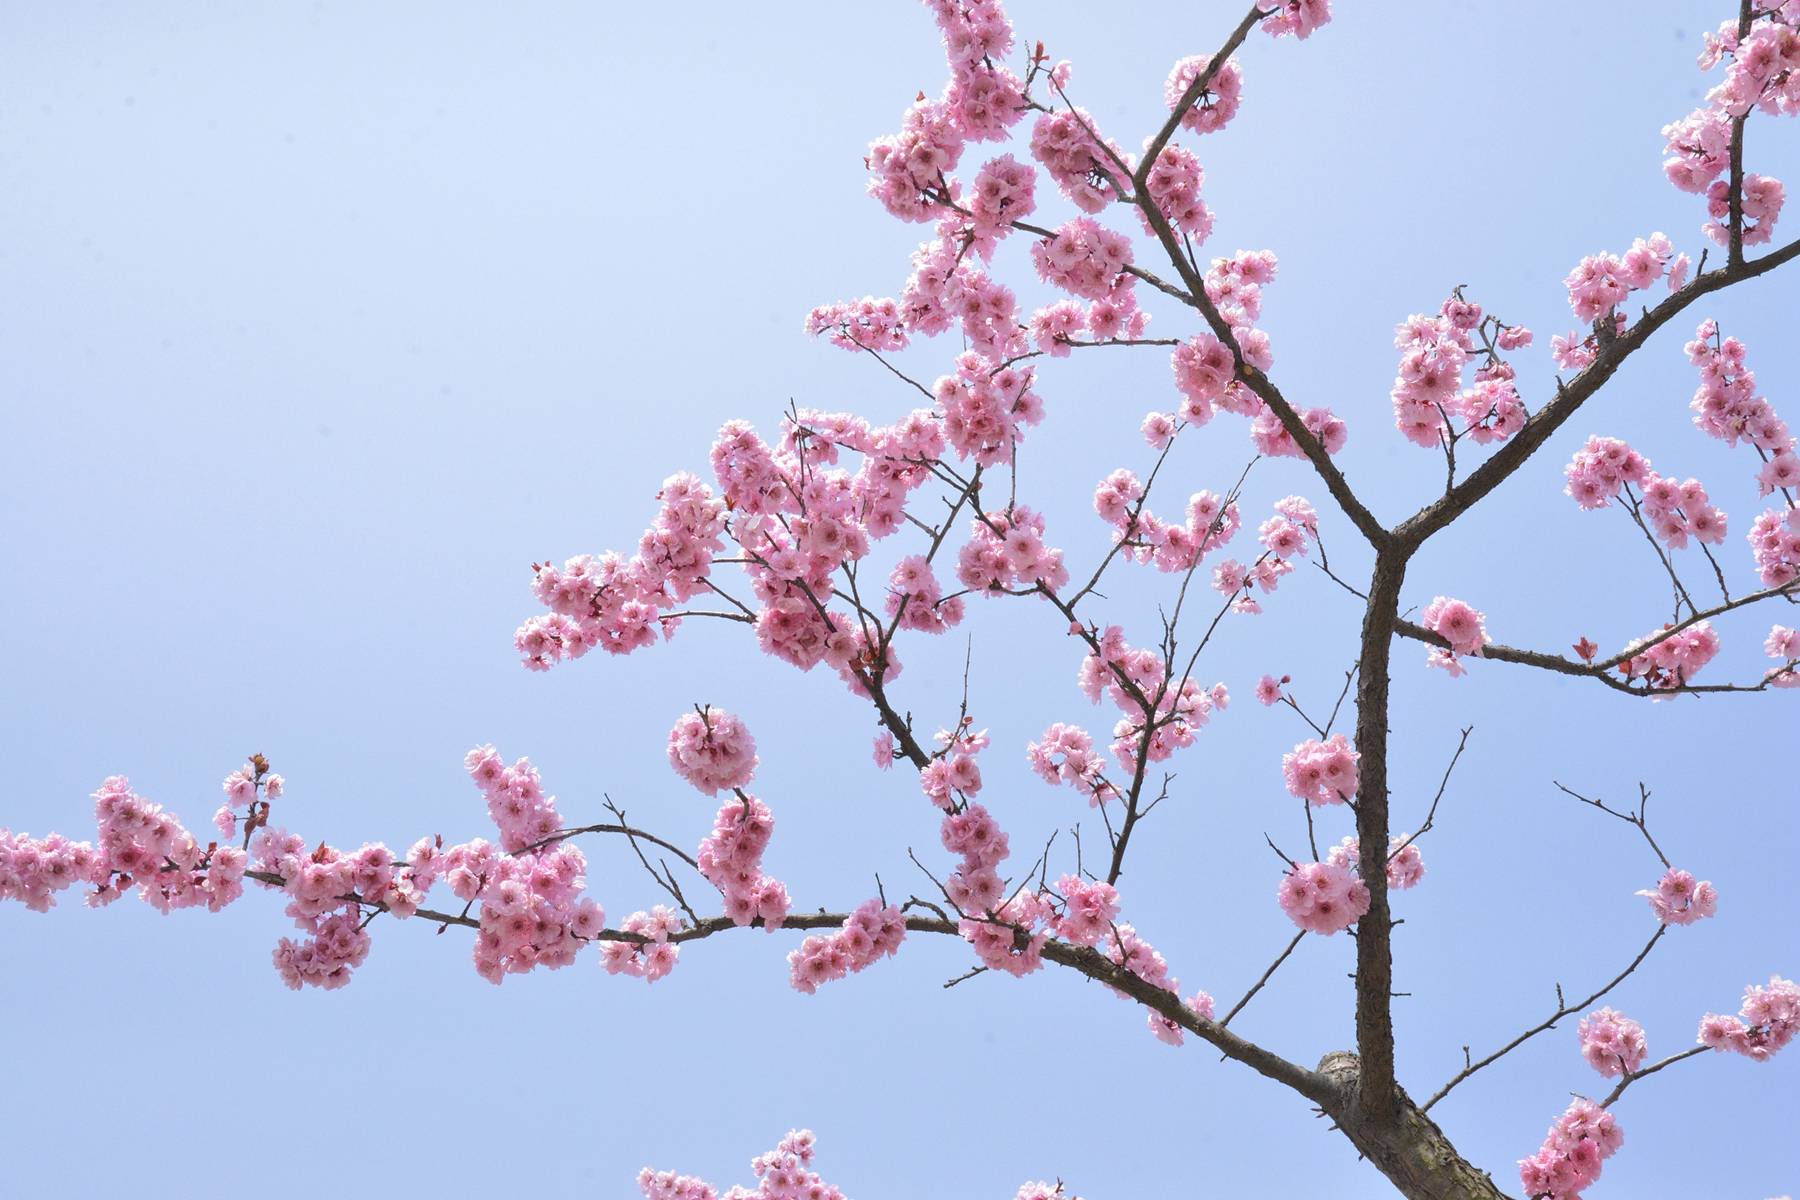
x=1600 y=668
x=1377 y=1088
x=1563 y=1009
x=1633 y=1076
x=1258 y=985
x=1547 y=420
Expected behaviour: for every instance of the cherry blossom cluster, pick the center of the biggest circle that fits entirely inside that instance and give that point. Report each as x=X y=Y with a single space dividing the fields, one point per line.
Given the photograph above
x=1578 y=1144
x=1298 y=17
x=1090 y=908
x=916 y=600
x=1775 y=543
x=866 y=324
x=1012 y=936
x=1428 y=391
x=530 y=889
x=141 y=845
x=784 y=1173
x=1284 y=537
x=515 y=798
x=1600 y=283
x=1086 y=259
x=1606 y=469
x=1124 y=947
x=1211 y=524
x=1727 y=407
x=1767 y=1022
x=1218 y=101
x=731 y=858
x=323 y=885
x=614 y=602
x=713 y=750
x=1405 y=865
x=1066 y=754
x=1006 y=551
x=1461 y=625
x=1161 y=717
x=1783 y=645
x=1005 y=191
x=1321 y=772
x=1599 y=286
x=1680 y=899
x=1670 y=660
x=252 y=787
x=1207 y=372
x=1084 y=167
x=1323 y=897
x=1612 y=1042
x=986 y=410
x=874 y=931
x=1044 y=1191
x=1174 y=185
x=1760 y=76
x=650 y=955
x=974 y=834
x=953 y=774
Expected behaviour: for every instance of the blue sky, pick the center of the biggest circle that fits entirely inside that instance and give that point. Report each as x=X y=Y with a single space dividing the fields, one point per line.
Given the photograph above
x=323 y=321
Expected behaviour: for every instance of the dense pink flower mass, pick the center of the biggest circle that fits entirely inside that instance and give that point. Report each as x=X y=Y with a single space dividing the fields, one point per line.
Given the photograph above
x=731 y=858
x=711 y=749
x=1460 y=625
x=1672 y=658
x=1580 y=1141
x=1321 y=772
x=870 y=933
x=1767 y=1022
x=1612 y=1042
x=1085 y=259
x=844 y=540
x=1298 y=17
x=1679 y=899
x=1783 y=645
x=1217 y=101
x=1428 y=394
x=1323 y=897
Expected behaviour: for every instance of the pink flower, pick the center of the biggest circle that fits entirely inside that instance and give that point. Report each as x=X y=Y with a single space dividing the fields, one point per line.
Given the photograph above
x=1321 y=772
x=1612 y=1043
x=1767 y=1022
x=712 y=749
x=1679 y=900
x=1405 y=864
x=1578 y=1143
x=1459 y=624
x=1215 y=104
x=1323 y=897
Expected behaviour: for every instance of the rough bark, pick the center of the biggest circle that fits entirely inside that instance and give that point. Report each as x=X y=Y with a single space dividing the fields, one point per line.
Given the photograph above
x=1374 y=947
x=1402 y=1143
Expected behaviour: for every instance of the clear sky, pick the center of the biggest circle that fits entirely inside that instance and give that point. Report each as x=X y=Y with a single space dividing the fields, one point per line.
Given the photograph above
x=322 y=321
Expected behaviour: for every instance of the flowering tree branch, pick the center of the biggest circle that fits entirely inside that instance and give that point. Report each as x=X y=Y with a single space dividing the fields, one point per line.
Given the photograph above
x=803 y=514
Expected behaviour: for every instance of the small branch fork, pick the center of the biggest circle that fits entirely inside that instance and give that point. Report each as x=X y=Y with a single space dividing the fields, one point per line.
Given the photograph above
x=1602 y=669
x=1563 y=1009
x=1635 y=819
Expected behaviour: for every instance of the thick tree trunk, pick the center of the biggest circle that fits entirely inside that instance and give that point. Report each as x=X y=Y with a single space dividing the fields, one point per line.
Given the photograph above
x=1405 y=1145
